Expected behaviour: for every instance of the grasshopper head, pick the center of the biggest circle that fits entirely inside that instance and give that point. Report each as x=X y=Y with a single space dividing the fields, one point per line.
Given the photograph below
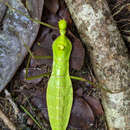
x=62 y=26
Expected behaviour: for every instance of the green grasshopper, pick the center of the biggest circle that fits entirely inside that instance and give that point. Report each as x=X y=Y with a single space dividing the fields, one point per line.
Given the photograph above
x=59 y=90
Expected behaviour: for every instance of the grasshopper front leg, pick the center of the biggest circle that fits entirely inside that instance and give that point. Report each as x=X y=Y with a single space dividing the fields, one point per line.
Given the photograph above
x=28 y=62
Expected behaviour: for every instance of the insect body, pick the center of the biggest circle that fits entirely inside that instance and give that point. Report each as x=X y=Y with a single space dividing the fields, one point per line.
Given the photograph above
x=59 y=90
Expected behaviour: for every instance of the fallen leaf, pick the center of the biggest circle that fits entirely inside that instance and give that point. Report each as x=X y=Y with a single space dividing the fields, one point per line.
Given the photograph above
x=79 y=91
x=78 y=52
x=82 y=115
x=95 y=105
x=41 y=52
x=64 y=14
x=39 y=100
x=32 y=72
x=52 y=5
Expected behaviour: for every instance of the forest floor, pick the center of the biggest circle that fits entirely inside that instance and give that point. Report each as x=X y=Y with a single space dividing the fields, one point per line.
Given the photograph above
x=23 y=98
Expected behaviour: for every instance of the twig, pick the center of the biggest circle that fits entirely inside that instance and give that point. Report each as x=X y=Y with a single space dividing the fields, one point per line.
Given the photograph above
x=122 y=7
x=8 y=96
x=7 y=121
x=29 y=114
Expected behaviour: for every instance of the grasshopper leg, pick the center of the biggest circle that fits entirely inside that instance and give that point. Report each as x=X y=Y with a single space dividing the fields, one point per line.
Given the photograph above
x=31 y=55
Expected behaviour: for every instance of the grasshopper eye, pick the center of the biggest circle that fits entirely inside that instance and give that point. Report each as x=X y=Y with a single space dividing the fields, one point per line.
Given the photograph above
x=61 y=47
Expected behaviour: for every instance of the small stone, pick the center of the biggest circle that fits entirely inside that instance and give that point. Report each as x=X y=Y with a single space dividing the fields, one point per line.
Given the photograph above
x=29 y=121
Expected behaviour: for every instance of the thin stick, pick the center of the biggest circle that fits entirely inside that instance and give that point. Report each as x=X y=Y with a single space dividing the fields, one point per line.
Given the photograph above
x=122 y=7
x=29 y=114
x=7 y=122
x=8 y=96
